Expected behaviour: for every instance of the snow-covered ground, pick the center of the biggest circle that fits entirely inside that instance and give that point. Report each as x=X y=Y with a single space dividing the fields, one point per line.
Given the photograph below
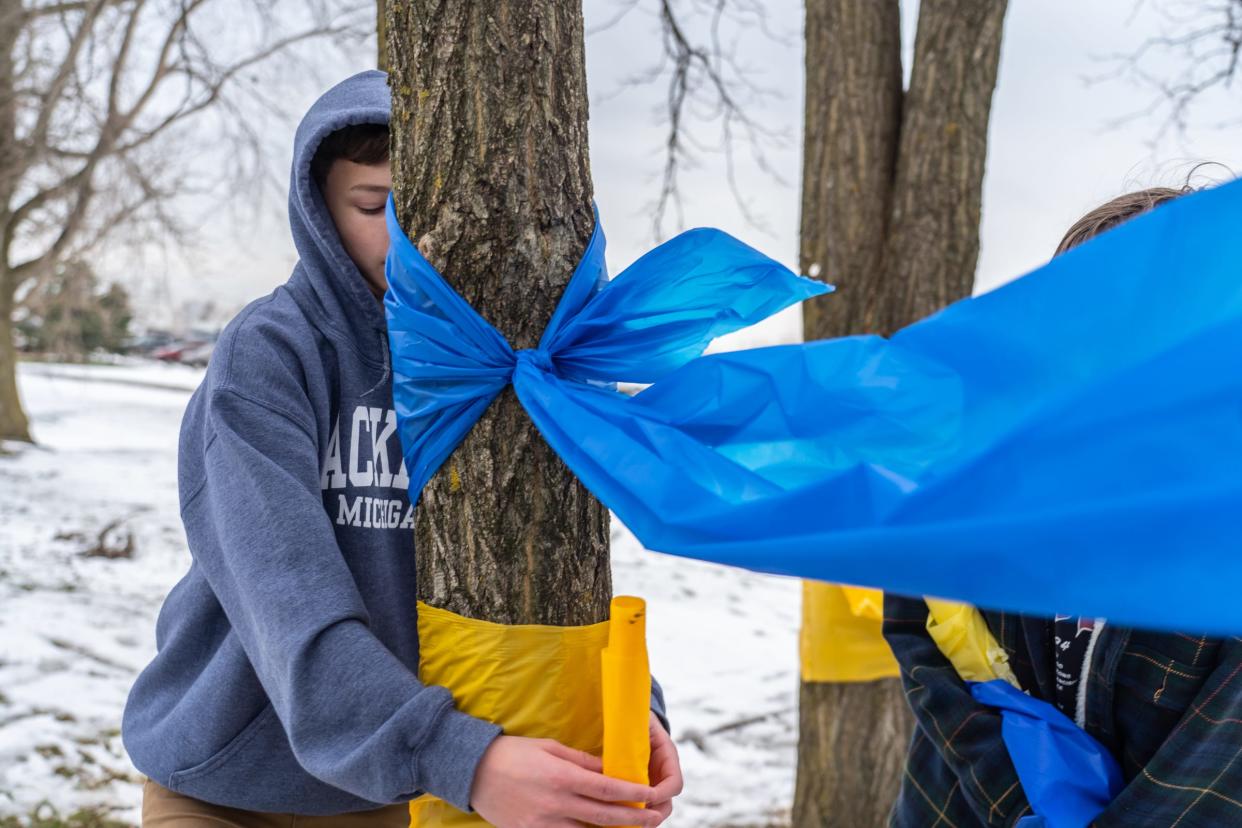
x=74 y=630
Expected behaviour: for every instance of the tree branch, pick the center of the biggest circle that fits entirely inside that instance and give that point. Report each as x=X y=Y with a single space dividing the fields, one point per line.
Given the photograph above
x=53 y=93
x=62 y=8
x=116 y=137
x=1206 y=37
x=706 y=83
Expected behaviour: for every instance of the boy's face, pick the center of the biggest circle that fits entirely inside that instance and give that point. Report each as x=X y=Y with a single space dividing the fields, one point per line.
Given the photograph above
x=356 y=195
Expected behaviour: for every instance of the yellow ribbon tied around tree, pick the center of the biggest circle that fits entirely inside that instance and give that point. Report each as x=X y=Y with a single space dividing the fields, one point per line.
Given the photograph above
x=962 y=635
x=543 y=682
x=842 y=638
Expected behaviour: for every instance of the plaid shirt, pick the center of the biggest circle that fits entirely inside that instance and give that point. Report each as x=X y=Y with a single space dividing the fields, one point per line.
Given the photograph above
x=1167 y=705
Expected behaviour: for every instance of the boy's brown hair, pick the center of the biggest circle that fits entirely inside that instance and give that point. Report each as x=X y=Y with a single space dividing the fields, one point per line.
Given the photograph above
x=1119 y=210
x=361 y=143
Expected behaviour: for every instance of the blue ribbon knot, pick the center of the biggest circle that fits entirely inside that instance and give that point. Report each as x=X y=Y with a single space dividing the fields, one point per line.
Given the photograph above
x=1016 y=450
x=537 y=358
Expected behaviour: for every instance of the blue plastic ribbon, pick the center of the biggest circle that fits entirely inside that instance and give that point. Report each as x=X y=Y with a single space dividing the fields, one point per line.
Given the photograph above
x=1067 y=443
x=662 y=312
x=1068 y=777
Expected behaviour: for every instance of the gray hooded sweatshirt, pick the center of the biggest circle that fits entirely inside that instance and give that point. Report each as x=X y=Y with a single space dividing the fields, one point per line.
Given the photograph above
x=286 y=674
x=286 y=677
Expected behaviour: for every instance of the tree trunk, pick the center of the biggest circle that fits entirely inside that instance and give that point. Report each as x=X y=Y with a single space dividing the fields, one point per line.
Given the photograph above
x=851 y=751
x=492 y=181
x=853 y=736
x=13 y=422
x=850 y=134
x=933 y=232
x=891 y=196
x=381 y=30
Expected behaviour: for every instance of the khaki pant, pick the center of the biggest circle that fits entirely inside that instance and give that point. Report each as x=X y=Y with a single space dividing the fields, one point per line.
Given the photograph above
x=162 y=808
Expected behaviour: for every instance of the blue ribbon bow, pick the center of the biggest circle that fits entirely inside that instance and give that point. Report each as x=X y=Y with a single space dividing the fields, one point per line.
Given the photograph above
x=1067 y=443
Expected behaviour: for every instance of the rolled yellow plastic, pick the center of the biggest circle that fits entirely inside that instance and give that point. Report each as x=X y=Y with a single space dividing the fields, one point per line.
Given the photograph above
x=962 y=635
x=841 y=638
x=533 y=680
x=626 y=680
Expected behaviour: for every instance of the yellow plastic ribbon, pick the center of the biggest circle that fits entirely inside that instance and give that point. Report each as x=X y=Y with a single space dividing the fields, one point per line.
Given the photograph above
x=962 y=634
x=626 y=678
x=537 y=681
x=864 y=602
x=532 y=680
x=841 y=638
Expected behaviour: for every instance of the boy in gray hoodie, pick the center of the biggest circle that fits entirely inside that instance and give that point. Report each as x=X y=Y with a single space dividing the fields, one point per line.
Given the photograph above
x=286 y=676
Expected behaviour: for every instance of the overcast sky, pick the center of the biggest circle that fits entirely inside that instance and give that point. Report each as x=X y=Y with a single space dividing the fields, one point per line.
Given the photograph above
x=1054 y=149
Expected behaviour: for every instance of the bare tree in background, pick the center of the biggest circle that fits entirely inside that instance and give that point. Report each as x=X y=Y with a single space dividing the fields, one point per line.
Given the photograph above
x=891 y=194
x=105 y=105
x=891 y=202
x=1204 y=39
x=492 y=180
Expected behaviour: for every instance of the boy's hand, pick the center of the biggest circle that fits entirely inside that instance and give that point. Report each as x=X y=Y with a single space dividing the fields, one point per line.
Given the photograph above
x=540 y=783
x=664 y=769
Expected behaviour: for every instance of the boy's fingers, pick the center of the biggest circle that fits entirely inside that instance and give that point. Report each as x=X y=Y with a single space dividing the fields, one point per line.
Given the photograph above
x=664 y=809
x=593 y=785
x=578 y=757
x=670 y=784
x=593 y=812
x=664 y=753
x=669 y=769
x=667 y=789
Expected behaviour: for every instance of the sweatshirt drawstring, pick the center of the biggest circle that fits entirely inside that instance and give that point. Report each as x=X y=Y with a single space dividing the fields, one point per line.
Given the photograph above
x=383 y=345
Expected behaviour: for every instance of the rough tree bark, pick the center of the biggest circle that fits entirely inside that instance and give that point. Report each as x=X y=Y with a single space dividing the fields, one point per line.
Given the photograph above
x=850 y=133
x=13 y=422
x=491 y=179
x=381 y=30
x=932 y=245
x=892 y=186
x=851 y=750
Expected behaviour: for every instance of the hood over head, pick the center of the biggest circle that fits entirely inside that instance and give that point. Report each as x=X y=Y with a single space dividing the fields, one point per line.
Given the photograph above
x=336 y=285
